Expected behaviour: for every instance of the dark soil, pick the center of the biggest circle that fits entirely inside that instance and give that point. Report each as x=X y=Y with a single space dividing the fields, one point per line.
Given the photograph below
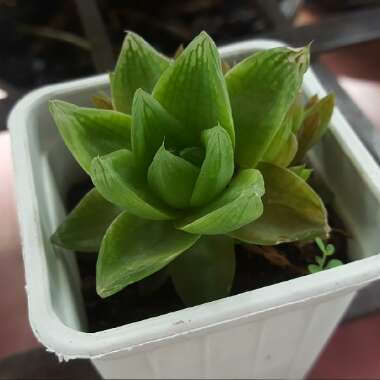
x=256 y=267
x=167 y=24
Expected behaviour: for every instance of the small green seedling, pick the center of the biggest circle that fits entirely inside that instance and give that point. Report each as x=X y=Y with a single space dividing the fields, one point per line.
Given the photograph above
x=322 y=262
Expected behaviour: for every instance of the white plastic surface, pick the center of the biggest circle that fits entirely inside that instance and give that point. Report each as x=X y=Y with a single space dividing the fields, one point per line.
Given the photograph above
x=272 y=332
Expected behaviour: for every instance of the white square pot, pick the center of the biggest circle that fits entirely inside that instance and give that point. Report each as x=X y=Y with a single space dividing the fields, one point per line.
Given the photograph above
x=272 y=332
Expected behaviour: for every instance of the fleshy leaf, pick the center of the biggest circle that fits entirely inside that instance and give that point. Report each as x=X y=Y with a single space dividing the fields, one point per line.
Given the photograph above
x=296 y=113
x=283 y=147
x=262 y=88
x=117 y=177
x=311 y=102
x=206 y=271
x=292 y=211
x=193 y=154
x=194 y=91
x=102 y=101
x=84 y=228
x=90 y=132
x=315 y=124
x=151 y=124
x=302 y=171
x=217 y=168
x=139 y=66
x=134 y=248
x=172 y=178
x=237 y=206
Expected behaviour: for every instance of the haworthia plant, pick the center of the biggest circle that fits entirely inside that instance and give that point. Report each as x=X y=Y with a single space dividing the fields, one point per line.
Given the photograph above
x=185 y=160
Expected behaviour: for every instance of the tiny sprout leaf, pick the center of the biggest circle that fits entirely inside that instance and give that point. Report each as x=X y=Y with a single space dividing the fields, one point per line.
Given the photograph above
x=262 y=88
x=334 y=263
x=330 y=250
x=134 y=248
x=172 y=178
x=319 y=260
x=151 y=124
x=314 y=268
x=217 y=168
x=117 y=177
x=320 y=244
x=194 y=91
x=205 y=272
x=84 y=228
x=315 y=124
x=292 y=211
x=90 y=132
x=238 y=205
x=139 y=66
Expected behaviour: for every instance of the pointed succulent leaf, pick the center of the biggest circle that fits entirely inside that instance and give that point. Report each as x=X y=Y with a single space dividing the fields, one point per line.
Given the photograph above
x=292 y=211
x=134 y=248
x=302 y=171
x=333 y=264
x=205 y=272
x=193 y=154
x=311 y=102
x=151 y=124
x=262 y=88
x=217 y=168
x=85 y=226
x=172 y=178
x=225 y=67
x=284 y=144
x=316 y=122
x=179 y=51
x=237 y=206
x=102 y=101
x=117 y=177
x=89 y=132
x=139 y=66
x=296 y=113
x=283 y=147
x=194 y=91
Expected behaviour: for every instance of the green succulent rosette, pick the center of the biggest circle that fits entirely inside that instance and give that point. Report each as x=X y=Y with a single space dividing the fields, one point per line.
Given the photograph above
x=186 y=159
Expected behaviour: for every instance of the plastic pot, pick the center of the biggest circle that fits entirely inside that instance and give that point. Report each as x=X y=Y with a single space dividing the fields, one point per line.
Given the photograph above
x=272 y=332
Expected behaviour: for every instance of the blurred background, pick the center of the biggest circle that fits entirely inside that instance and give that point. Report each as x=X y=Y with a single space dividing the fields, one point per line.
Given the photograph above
x=53 y=41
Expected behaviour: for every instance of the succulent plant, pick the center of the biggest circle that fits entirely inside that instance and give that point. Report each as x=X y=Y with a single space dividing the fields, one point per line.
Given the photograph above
x=185 y=160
